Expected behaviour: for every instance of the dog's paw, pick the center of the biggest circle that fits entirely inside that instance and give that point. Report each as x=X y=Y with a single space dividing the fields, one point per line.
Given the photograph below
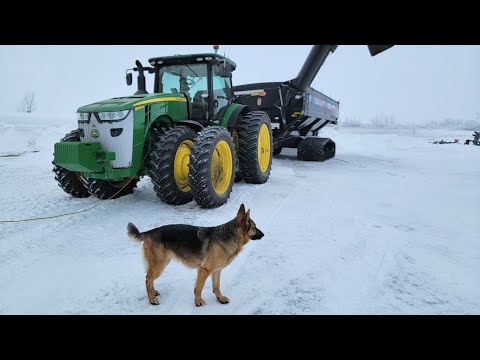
x=154 y=302
x=223 y=299
x=156 y=292
x=200 y=302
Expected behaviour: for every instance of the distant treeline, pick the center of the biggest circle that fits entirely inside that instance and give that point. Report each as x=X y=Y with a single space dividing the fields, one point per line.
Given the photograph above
x=388 y=121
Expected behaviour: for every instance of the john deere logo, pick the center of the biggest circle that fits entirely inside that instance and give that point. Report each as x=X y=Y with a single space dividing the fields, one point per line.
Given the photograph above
x=95 y=133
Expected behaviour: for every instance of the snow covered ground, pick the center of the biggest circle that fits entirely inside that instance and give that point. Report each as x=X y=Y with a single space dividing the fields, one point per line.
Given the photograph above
x=390 y=226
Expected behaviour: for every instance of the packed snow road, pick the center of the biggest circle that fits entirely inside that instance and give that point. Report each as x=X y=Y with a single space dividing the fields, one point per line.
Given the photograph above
x=389 y=226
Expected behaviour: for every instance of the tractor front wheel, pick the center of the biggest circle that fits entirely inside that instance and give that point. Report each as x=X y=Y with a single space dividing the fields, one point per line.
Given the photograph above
x=169 y=165
x=104 y=189
x=212 y=167
x=70 y=181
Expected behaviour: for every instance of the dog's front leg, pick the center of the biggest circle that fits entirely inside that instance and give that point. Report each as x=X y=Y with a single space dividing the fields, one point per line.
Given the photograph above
x=216 y=287
x=199 y=284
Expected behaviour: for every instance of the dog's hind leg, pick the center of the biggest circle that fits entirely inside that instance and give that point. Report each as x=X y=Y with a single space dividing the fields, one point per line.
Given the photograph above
x=216 y=287
x=156 y=265
x=202 y=276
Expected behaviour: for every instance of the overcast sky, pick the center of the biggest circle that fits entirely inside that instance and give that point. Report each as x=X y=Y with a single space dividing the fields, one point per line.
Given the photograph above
x=413 y=83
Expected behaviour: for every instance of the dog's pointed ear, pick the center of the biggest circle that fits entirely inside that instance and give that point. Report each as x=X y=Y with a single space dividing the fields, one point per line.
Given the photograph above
x=241 y=211
x=248 y=214
x=241 y=218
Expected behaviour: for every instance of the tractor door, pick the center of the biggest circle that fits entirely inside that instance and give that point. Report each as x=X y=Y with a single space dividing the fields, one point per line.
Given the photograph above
x=221 y=91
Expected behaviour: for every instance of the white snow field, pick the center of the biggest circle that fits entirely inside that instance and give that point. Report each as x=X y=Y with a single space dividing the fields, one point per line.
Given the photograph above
x=391 y=225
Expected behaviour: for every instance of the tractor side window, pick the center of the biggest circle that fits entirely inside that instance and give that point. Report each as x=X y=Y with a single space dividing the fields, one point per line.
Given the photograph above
x=170 y=83
x=222 y=92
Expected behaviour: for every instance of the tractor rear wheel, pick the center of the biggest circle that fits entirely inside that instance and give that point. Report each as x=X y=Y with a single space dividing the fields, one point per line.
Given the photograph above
x=212 y=167
x=104 y=189
x=255 y=147
x=315 y=149
x=70 y=181
x=169 y=165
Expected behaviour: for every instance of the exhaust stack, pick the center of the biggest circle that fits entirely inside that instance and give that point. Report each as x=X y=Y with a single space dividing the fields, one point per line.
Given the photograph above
x=140 y=79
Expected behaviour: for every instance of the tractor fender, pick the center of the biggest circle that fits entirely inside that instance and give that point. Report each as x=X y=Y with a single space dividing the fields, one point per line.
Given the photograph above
x=195 y=125
x=165 y=120
x=231 y=119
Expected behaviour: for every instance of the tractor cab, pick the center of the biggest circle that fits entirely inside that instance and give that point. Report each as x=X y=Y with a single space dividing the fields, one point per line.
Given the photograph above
x=204 y=79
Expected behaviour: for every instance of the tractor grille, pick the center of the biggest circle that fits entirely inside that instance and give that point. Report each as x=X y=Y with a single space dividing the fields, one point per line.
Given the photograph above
x=115 y=136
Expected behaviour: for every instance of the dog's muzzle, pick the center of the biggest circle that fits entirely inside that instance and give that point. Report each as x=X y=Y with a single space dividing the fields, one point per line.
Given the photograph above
x=258 y=235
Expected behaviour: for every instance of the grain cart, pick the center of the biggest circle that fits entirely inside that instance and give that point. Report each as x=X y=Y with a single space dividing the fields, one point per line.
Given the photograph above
x=192 y=135
x=298 y=111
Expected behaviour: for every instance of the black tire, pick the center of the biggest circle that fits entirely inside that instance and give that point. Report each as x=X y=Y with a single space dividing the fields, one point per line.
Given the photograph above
x=277 y=151
x=168 y=188
x=205 y=153
x=238 y=174
x=314 y=149
x=249 y=132
x=70 y=181
x=104 y=189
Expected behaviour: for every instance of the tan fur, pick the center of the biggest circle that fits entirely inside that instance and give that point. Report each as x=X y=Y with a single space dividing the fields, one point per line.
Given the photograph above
x=218 y=255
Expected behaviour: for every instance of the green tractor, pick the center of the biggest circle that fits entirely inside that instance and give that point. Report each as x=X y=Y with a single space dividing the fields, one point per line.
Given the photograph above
x=189 y=135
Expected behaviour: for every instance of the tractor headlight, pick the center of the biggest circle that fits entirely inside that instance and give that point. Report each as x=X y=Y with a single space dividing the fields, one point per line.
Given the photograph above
x=113 y=115
x=83 y=117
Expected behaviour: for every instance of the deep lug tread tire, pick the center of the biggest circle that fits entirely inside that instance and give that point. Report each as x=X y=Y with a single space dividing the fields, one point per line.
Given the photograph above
x=200 y=174
x=104 y=189
x=248 y=132
x=162 y=158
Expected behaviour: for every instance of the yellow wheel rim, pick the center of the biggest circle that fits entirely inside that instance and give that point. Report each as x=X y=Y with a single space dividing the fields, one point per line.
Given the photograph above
x=263 y=149
x=180 y=165
x=222 y=163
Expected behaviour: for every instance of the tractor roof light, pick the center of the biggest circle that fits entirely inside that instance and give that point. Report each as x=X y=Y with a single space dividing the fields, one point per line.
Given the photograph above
x=208 y=58
x=160 y=62
x=199 y=59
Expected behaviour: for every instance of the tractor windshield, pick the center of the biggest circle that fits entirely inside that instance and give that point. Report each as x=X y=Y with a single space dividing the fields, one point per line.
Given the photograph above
x=189 y=78
x=192 y=79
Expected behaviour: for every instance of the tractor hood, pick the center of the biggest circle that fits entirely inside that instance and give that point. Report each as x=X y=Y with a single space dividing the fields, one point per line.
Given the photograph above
x=128 y=102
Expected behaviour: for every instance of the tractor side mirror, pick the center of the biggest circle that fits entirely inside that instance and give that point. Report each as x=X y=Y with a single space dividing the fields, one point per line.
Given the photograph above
x=129 y=79
x=225 y=70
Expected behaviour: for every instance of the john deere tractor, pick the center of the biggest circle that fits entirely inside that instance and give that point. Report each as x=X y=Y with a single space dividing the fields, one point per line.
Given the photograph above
x=189 y=135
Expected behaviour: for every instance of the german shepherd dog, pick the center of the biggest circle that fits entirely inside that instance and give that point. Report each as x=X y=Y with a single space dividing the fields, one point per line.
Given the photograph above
x=207 y=249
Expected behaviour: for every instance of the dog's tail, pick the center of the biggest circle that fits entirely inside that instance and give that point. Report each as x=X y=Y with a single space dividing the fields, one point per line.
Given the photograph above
x=133 y=233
